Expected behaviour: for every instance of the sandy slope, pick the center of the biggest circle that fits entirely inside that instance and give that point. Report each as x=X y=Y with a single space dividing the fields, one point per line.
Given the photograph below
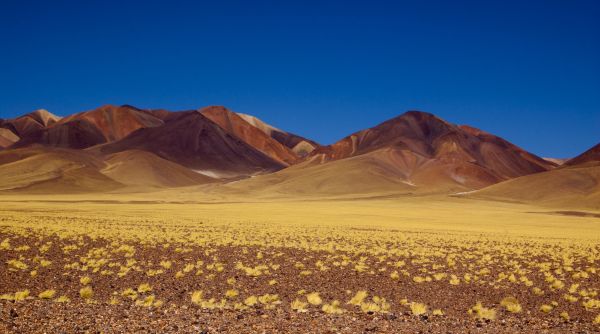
x=383 y=171
x=55 y=170
x=575 y=184
x=7 y=138
x=141 y=168
x=52 y=171
x=568 y=187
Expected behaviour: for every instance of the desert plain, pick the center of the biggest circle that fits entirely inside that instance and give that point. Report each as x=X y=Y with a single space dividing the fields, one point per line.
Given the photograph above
x=175 y=262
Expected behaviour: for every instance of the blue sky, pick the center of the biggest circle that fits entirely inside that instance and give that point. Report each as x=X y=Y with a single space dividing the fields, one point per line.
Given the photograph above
x=528 y=71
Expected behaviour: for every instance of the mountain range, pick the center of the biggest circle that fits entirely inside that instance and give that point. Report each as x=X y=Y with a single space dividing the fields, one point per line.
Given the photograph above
x=124 y=148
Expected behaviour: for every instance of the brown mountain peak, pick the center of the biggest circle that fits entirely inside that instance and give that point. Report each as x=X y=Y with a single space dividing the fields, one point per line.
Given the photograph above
x=425 y=148
x=44 y=117
x=29 y=123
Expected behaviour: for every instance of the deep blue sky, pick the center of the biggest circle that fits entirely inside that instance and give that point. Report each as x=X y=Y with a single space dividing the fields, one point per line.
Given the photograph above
x=528 y=71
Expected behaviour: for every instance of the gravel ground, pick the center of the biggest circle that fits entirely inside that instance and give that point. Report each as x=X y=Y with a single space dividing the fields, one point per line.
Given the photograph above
x=45 y=317
x=71 y=283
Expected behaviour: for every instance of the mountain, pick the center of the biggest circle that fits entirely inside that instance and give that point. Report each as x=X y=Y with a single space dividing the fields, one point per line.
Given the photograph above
x=86 y=129
x=7 y=138
x=141 y=168
x=52 y=170
x=116 y=122
x=576 y=184
x=556 y=161
x=57 y=170
x=415 y=152
x=236 y=126
x=432 y=138
x=34 y=121
x=426 y=149
x=117 y=147
x=370 y=173
x=299 y=145
x=591 y=155
x=192 y=140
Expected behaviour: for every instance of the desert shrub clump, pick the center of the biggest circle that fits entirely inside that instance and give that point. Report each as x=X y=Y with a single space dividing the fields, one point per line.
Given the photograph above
x=481 y=312
x=47 y=294
x=86 y=292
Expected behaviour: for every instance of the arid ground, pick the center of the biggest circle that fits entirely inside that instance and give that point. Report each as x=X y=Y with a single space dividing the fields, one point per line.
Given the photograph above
x=167 y=263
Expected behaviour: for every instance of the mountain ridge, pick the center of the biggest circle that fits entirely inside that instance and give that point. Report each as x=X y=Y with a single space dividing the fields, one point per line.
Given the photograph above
x=413 y=153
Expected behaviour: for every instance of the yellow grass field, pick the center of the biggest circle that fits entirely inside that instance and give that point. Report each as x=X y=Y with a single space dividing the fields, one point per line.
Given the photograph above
x=436 y=262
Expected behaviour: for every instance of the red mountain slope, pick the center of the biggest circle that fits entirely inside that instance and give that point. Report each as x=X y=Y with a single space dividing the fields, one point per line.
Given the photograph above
x=194 y=141
x=591 y=155
x=24 y=125
x=251 y=135
x=102 y=125
x=299 y=145
x=431 y=150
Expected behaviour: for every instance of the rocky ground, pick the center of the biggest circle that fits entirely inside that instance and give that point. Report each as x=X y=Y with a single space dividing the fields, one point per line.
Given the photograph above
x=227 y=279
x=44 y=317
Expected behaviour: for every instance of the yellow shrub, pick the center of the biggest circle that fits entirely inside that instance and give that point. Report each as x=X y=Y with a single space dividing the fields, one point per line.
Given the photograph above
x=196 y=297
x=369 y=307
x=129 y=293
x=418 y=309
x=511 y=304
x=314 y=298
x=144 y=287
x=86 y=292
x=146 y=302
x=333 y=308
x=299 y=306
x=21 y=295
x=268 y=298
x=358 y=298
x=482 y=312
x=48 y=294
x=231 y=293
x=251 y=301
x=62 y=299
